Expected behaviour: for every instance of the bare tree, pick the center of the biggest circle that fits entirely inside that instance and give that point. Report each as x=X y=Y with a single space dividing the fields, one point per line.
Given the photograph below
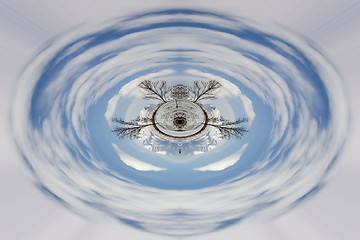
x=229 y=129
x=205 y=90
x=131 y=129
x=158 y=90
x=154 y=90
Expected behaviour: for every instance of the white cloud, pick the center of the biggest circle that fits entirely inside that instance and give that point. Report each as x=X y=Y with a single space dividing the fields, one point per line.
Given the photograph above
x=223 y=164
x=135 y=163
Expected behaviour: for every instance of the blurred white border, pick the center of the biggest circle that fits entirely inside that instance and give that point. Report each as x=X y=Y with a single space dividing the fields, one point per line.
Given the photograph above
x=25 y=26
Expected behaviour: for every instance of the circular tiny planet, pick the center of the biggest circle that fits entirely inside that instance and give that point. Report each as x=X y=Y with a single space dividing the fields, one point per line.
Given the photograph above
x=180 y=118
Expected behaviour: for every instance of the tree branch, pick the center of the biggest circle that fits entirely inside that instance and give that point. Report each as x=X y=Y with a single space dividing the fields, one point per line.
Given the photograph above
x=205 y=90
x=229 y=129
x=154 y=90
x=131 y=129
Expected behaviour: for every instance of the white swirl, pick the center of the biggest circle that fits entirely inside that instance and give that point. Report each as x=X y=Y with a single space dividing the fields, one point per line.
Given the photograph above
x=291 y=94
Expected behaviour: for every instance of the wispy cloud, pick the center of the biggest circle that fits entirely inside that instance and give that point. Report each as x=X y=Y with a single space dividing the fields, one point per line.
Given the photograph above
x=225 y=163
